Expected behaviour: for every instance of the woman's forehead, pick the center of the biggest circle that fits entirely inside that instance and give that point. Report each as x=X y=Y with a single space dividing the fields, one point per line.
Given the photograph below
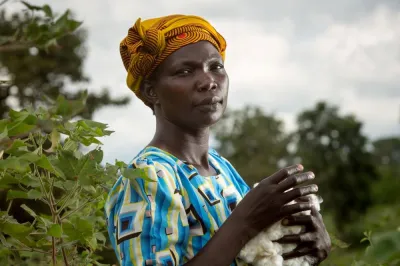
x=197 y=52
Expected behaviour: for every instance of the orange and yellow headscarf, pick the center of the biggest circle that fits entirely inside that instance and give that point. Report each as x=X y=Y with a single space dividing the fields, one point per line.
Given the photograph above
x=149 y=42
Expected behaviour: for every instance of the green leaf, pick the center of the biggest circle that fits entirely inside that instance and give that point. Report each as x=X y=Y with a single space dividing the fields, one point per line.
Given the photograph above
x=34 y=194
x=87 y=141
x=4 y=134
x=47 y=10
x=15 y=163
x=29 y=210
x=86 y=170
x=31 y=7
x=30 y=157
x=18 y=128
x=386 y=247
x=70 y=145
x=337 y=242
x=15 y=230
x=78 y=229
x=18 y=147
x=67 y=163
x=92 y=241
x=55 y=230
x=69 y=108
x=145 y=173
x=45 y=163
x=120 y=164
x=61 y=23
x=100 y=237
x=3 y=124
x=23 y=116
x=18 y=194
x=30 y=180
x=8 y=180
x=72 y=25
x=96 y=155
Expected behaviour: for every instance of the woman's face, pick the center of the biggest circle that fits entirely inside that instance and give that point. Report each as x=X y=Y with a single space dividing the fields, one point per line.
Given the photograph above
x=191 y=86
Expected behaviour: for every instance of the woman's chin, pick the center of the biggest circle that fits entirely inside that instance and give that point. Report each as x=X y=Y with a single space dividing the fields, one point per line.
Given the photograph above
x=208 y=120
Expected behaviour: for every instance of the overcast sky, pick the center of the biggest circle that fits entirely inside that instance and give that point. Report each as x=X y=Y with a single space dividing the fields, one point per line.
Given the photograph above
x=282 y=55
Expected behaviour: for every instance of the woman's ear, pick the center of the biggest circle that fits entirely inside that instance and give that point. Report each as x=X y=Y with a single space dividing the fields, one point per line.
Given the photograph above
x=148 y=92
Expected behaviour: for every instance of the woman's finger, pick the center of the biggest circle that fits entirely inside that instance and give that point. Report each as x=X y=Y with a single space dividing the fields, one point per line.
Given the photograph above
x=295 y=180
x=309 y=222
x=299 y=253
x=282 y=174
x=298 y=220
x=299 y=192
x=299 y=238
x=291 y=209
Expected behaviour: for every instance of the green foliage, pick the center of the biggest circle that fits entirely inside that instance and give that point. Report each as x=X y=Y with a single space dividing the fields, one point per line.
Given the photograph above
x=40 y=51
x=333 y=147
x=72 y=186
x=359 y=185
x=255 y=143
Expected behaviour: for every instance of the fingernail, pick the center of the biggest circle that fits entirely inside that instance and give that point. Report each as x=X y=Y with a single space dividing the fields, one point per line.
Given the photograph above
x=285 y=221
x=315 y=188
x=300 y=167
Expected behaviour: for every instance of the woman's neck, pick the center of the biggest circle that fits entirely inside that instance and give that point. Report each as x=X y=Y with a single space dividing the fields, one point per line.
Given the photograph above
x=187 y=145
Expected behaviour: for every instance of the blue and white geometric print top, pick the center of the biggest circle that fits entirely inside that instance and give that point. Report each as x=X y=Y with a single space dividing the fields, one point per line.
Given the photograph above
x=165 y=211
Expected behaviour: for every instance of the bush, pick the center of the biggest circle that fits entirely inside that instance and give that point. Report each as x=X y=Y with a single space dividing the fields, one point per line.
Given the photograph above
x=62 y=189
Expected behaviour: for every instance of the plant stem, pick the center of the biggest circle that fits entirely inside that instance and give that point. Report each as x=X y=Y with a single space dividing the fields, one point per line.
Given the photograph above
x=54 y=254
x=9 y=206
x=66 y=198
x=64 y=256
x=80 y=207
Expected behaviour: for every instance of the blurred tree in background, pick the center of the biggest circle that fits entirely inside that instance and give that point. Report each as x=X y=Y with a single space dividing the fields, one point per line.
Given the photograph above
x=41 y=55
x=358 y=179
x=254 y=142
x=333 y=147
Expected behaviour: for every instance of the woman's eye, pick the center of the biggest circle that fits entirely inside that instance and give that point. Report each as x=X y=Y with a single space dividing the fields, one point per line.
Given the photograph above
x=183 y=72
x=217 y=66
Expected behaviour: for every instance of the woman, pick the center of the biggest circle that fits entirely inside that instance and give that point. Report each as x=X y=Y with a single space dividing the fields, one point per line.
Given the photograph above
x=178 y=204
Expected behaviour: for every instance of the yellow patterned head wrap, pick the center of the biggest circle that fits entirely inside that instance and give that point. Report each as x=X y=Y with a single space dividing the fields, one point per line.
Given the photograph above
x=150 y=42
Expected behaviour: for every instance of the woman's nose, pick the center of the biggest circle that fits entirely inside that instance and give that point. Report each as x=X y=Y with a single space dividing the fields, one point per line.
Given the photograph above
x=206 y=82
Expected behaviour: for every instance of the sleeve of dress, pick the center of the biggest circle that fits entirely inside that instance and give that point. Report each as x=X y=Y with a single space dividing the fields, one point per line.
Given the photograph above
x=146 y=219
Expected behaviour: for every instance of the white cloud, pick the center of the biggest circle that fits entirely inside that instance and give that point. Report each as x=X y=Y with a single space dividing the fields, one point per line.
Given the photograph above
x=281 y=56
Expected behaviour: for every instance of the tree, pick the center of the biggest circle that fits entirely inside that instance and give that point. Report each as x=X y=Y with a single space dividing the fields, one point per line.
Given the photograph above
x=386 y=152
x=40 y=53
x=333 y=147
x=254 y=142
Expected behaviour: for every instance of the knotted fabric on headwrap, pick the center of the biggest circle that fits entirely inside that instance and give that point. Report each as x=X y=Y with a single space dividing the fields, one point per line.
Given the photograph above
x=149 y=42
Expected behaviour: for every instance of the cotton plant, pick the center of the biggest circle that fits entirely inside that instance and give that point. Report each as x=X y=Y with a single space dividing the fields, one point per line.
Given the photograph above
x=263 y=251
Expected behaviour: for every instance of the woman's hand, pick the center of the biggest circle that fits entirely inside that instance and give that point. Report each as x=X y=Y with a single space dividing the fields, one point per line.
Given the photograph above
x=315 y=241
x=265 y=204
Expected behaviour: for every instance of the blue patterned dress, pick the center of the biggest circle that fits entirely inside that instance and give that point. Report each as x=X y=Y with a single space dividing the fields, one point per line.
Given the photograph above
x=164 y=211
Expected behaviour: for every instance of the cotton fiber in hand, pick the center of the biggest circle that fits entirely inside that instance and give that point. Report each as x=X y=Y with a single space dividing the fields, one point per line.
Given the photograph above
x=262 y=251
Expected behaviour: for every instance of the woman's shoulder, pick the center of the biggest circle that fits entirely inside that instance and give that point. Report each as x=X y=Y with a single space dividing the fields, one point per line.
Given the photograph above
x=151 y=156
x=219 y=158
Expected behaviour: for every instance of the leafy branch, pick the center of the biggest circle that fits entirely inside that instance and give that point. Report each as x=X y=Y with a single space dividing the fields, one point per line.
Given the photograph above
x=69 y=182
x=42 y=31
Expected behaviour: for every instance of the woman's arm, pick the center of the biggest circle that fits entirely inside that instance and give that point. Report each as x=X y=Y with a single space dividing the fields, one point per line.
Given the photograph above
x=261 y=207
x=225 y=245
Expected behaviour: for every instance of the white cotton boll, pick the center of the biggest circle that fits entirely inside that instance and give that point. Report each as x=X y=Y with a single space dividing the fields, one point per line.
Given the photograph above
x=296 y=262
x=262 y=251
x=270 y=261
